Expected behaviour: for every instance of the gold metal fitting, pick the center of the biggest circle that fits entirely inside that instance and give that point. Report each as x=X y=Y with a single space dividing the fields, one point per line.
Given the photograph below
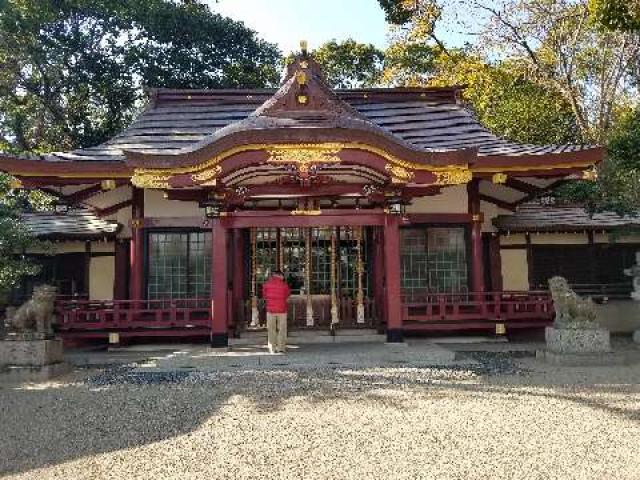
x=499 y=178
x=114 y=338
x=15 y=183
x=302 y=99
x=301 y=78
x=501 y=329
x=108 y=184
x=590 y=175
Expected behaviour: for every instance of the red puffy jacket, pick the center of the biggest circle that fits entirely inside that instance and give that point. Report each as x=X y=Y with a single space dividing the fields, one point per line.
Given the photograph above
x=275 y=292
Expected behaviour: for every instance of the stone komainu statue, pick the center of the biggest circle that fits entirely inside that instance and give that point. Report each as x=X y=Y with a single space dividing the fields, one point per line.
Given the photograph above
x=571 y=310
x=36 y=315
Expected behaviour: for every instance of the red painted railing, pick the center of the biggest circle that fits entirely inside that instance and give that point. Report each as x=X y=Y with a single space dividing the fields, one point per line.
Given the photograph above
x=490 y=306
x=453 y=311
x=132 y=314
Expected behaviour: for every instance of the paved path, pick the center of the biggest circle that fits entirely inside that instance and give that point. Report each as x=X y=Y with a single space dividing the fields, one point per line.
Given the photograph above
x=203 y=358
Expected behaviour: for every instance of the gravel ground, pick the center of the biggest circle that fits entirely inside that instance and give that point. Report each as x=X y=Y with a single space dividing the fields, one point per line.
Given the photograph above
x=503 y=418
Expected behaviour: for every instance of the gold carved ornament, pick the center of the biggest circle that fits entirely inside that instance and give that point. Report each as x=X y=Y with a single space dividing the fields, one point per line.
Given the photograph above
x=399 y=174
x=590 y=175
x=149 y=179
x=306 y=212
x=453 y=176
x=303 y=157
x=208 y=176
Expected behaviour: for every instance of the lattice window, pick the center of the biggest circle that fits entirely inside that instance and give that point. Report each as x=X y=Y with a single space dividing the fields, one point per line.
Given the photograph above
x=349 y=261
x=321 y=261
x=294 y=257
x=414 y=261
x=179 y=265
x=292 y=243
x=433 y=260
x=266 y=254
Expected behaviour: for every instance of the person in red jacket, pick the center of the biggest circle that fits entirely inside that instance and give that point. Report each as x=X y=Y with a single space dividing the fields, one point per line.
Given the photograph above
x=275 y=292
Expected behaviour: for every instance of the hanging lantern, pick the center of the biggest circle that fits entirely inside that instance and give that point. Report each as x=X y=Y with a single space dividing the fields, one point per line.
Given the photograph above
x=396 y=206
x=212 y=208
x=60 y=207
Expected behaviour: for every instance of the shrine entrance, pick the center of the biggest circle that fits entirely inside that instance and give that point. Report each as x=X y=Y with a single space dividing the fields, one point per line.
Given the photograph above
x=326 y=268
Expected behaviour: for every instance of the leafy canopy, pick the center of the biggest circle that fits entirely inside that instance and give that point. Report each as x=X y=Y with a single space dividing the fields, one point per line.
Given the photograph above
x=349 y=64
x=72 y=72
x=15 y=237
x=616 y=14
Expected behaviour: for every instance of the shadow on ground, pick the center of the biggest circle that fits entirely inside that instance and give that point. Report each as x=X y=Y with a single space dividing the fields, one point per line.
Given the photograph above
x=97 y=411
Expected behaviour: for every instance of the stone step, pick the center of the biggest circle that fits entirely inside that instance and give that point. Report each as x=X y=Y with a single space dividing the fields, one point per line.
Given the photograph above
x=313 y=336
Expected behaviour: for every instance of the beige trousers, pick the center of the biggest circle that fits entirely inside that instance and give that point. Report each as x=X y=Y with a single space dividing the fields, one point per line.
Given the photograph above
x=277 y=332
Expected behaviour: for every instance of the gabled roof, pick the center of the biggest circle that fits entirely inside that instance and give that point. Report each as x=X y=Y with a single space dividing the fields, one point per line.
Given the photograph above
x=79 y=223
x=425 y=118
x=538 y=217
x=417 y=128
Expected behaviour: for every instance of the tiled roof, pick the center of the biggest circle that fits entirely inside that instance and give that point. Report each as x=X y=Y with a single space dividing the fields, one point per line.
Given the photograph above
x=80 y=223
x=426 y=119
x=535 y=216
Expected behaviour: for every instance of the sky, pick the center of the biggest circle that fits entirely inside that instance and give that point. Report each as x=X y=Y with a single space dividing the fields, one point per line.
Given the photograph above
x=286 y=22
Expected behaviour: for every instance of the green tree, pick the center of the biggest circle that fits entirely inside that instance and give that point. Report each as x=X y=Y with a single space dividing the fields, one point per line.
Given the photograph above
x=505 y=101
x=15 y=237
x=350 y=64
x=552 y=43
x=617 y=188
x=616 y=14
x=72 y=72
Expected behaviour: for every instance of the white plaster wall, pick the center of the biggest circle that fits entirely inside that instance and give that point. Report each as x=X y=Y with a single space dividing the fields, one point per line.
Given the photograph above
x=559 y=239
x=490 y=211
x=101 y=277
x=108 y=198
x=103 y=247
x=606 y=238
x=513 y=239
x=450 y=200
x=54 y=248
x=515 y=269
x=155 y=205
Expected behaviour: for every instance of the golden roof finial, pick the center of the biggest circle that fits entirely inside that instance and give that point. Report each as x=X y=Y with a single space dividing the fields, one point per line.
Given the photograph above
x=303 y=47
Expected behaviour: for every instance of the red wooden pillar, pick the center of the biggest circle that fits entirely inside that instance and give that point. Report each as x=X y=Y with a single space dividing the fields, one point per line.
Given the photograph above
x=477 y=267
x=239 y=275
x=121 y=276
x=377 y=255
x=392 y=278
x=219 y=285
x=136 y=249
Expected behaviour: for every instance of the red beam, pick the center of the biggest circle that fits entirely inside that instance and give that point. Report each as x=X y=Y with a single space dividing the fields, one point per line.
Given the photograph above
x=103 y=212
x=84 y=194
x=523 y=187
x=499 y=203
x=433 y=218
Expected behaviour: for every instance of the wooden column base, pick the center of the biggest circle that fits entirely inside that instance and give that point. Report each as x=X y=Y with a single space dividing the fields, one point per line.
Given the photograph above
x=219 y=340
x=395 y=335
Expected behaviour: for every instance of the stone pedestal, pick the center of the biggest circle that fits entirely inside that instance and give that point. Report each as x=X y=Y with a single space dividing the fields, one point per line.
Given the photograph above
x=31 y=357
x=577 y=340
x=578 y=346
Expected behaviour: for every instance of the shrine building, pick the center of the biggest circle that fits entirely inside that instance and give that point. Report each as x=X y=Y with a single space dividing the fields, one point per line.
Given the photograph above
x=384 y=207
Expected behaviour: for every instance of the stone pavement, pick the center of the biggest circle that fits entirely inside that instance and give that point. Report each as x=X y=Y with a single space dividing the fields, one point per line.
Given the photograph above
x=154 y=358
